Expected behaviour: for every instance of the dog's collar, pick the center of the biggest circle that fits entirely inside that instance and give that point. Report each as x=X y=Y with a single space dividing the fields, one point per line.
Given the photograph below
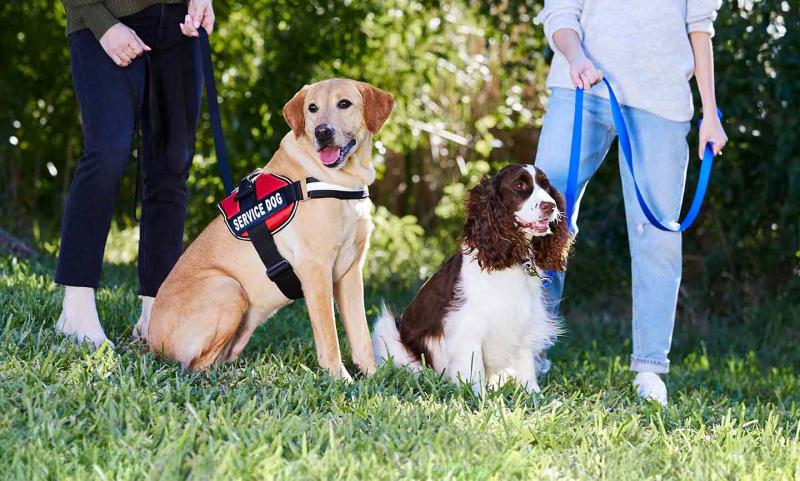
x=530 y=269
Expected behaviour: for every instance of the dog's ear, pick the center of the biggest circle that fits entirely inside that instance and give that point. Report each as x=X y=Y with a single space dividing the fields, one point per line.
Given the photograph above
x=378 y=104
x=550 y=252
x=294 y=113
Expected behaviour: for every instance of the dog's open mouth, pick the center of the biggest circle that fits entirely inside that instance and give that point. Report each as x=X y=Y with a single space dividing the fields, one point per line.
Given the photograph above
x=540 y=226
x=333 y=156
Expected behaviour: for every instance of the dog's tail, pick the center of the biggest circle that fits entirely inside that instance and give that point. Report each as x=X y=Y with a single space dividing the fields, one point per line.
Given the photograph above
x=386 y=342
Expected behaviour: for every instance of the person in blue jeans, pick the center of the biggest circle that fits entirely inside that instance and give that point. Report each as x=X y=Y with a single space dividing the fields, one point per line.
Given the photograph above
x=135 y=63
x=648 y=50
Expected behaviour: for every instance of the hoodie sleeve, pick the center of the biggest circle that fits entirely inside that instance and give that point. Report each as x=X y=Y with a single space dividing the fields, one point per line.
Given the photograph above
x=700 y=15
x=558 y=14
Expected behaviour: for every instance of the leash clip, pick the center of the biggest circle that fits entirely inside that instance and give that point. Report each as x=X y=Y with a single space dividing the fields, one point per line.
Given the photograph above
x=530 y=269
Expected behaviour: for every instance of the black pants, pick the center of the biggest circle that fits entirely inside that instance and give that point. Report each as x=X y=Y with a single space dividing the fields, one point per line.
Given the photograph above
x=159 y=91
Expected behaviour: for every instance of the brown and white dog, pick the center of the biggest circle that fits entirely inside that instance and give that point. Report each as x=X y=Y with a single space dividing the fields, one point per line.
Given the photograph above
x=482 y=318
x=218 y=292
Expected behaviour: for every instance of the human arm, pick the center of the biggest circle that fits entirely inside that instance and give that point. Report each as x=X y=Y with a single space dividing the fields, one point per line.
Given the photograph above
x=699 y=24
x=561 y=20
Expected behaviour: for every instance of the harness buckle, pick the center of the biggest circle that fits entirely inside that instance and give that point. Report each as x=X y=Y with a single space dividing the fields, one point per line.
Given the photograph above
x=278 y=269
x=247 y=185
x=245 y=188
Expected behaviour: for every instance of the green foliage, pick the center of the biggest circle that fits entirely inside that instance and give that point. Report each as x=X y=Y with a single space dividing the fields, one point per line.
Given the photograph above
x=398 y=254
x=468 y=77
x=69 y=413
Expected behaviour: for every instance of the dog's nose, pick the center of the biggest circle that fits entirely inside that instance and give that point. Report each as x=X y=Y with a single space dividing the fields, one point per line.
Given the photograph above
x=324 y=133
x=547 y=208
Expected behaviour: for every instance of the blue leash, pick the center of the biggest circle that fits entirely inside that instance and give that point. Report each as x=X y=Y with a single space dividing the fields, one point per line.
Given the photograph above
x=571 y=193
x=213 y=111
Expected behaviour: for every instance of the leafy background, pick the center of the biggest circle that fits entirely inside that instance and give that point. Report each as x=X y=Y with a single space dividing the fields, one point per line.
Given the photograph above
x=469 y=81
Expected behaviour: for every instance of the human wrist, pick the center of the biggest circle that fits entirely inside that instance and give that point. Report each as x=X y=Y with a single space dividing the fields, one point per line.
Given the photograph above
x=709 y=109
x=576 y=56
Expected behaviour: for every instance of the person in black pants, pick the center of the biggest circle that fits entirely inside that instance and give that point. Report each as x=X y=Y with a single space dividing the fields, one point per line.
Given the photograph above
x=137 y=70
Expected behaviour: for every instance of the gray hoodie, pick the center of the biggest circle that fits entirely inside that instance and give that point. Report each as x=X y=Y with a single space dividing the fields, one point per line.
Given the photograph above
x=642 y=47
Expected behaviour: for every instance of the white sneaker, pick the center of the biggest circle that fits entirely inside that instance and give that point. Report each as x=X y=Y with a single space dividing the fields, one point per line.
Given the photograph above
x=140 y=330
x=79 y=317
x=649 y=385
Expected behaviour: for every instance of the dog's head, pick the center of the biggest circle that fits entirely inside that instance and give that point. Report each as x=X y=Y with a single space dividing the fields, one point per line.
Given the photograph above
x=514 y=215
x=333 y=117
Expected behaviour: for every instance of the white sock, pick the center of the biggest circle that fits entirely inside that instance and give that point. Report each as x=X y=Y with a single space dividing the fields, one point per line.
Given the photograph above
x=649 y=385
x=79 y=317
x=140 y=330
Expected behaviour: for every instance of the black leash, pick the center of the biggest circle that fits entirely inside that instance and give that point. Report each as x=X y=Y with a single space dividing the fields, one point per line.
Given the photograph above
x=137 y=129
x=213 y=111
x=214 y=114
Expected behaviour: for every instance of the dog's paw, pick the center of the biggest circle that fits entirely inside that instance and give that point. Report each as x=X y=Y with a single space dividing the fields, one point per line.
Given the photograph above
x=368 y=366
x=339 y=372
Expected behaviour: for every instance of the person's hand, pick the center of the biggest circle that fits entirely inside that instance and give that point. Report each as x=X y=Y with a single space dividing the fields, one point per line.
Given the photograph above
x=201 y=13
x=711 y=131
x=122 y=44
x=583 y=72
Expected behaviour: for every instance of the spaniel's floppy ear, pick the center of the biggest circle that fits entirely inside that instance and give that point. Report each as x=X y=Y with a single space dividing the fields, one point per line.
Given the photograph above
x=294 y=112
x=491 y=232
x=378 y=104
x=550 y=252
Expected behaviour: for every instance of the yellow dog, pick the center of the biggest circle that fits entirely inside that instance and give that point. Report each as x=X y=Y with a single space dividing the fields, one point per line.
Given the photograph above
x=218 y=292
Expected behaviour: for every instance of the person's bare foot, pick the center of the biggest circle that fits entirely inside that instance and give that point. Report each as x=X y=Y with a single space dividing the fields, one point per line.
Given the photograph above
x=79 y=318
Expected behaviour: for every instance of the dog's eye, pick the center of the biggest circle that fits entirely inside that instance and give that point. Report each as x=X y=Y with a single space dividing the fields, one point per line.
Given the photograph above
x=312 y=108
x=344 y=104
x=520 y=186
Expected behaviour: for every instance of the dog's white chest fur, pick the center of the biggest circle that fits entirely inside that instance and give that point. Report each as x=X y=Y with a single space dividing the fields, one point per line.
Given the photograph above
x=499 y=324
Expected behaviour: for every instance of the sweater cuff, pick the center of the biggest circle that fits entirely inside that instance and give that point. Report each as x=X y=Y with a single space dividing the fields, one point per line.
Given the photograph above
x=98 y=19
x=705 y=25
x=556 y=23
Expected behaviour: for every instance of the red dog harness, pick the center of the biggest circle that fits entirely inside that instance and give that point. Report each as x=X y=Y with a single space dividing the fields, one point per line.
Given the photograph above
x=262 y=205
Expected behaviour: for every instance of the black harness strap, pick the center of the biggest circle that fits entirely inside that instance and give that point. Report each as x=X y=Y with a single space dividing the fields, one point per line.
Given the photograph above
x=279 y=270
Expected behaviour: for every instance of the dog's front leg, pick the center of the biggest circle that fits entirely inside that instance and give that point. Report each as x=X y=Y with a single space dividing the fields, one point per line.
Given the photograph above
x=524 y=367
x=318 y=291
x=466 y=365
x=349 y=291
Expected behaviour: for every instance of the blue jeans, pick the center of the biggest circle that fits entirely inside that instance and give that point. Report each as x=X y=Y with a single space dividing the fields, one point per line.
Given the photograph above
x=161 y=92
x=660 y=157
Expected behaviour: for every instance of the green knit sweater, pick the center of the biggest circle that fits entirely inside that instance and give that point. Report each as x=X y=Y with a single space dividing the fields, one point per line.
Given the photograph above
x=100 y=15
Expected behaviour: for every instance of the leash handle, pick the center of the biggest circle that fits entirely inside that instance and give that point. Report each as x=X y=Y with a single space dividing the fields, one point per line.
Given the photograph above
x=625 y=145
x=213 y=111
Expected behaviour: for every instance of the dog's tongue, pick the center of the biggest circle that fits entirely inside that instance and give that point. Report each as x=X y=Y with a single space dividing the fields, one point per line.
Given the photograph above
x=329 y=154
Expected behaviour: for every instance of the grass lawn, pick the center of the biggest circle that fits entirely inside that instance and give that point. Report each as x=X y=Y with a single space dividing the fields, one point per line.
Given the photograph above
x=69 y=413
